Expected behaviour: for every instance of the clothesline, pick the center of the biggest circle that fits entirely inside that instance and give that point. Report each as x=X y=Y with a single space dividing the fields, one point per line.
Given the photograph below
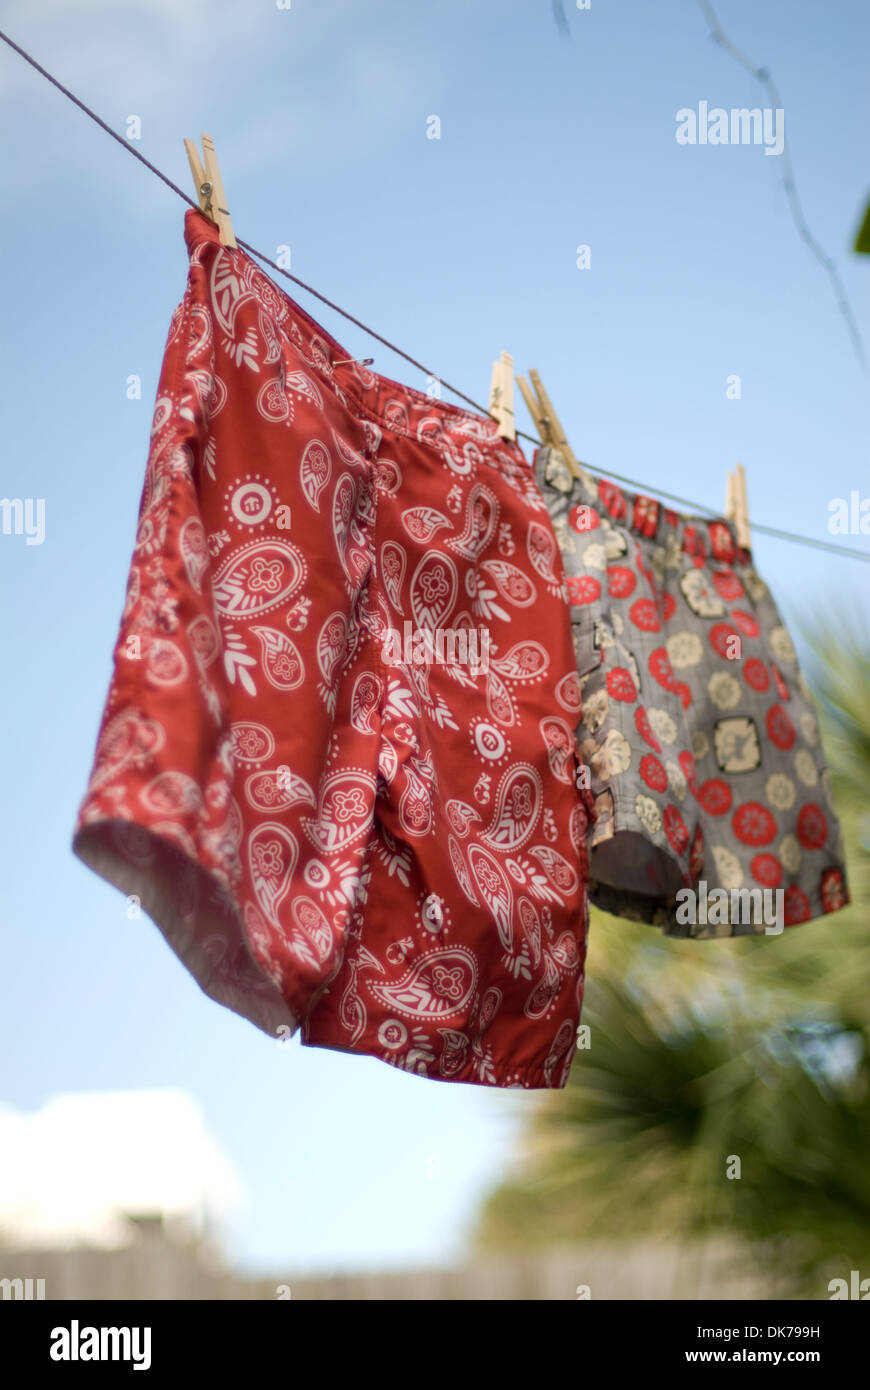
x=697 y=507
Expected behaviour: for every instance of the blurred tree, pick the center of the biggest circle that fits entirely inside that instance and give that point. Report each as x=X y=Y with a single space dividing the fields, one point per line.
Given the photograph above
x=712 y=1059
x=862 y=240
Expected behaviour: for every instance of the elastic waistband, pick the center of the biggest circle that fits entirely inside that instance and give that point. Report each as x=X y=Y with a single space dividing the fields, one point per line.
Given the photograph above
x=394 y=406
x=698 y=536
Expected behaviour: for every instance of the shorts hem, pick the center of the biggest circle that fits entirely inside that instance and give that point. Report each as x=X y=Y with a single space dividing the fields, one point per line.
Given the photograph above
x=627 y=821
x=500 y=1078
x=654 y=912
x=195 y=941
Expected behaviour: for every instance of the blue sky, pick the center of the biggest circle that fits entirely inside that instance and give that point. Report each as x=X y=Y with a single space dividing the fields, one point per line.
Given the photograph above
x=453 y=248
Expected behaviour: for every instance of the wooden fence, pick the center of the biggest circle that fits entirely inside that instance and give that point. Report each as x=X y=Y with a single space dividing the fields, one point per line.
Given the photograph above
x=162 y=1270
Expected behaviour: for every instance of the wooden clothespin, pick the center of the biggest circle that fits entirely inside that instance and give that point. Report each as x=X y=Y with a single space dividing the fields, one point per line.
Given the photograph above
x=547 y=422
x=501 y=396
x=210 y=188
x=737 y=506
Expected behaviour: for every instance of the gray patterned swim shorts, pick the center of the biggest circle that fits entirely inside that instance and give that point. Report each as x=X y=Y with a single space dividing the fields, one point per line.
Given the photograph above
x=698 y=731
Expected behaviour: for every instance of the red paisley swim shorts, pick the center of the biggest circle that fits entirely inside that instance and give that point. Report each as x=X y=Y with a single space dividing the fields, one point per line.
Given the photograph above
x=336 y=763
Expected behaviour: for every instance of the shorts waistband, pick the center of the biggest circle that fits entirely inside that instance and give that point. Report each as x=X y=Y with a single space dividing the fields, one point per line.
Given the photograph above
x=699 y=536
x=391 y=404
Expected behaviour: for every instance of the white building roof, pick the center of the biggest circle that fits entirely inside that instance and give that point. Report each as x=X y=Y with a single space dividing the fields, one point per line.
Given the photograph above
x=72 y=1172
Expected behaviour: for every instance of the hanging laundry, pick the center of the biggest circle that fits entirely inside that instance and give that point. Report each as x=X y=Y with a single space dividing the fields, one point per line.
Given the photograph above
x=336 y=760
x=697 y=728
